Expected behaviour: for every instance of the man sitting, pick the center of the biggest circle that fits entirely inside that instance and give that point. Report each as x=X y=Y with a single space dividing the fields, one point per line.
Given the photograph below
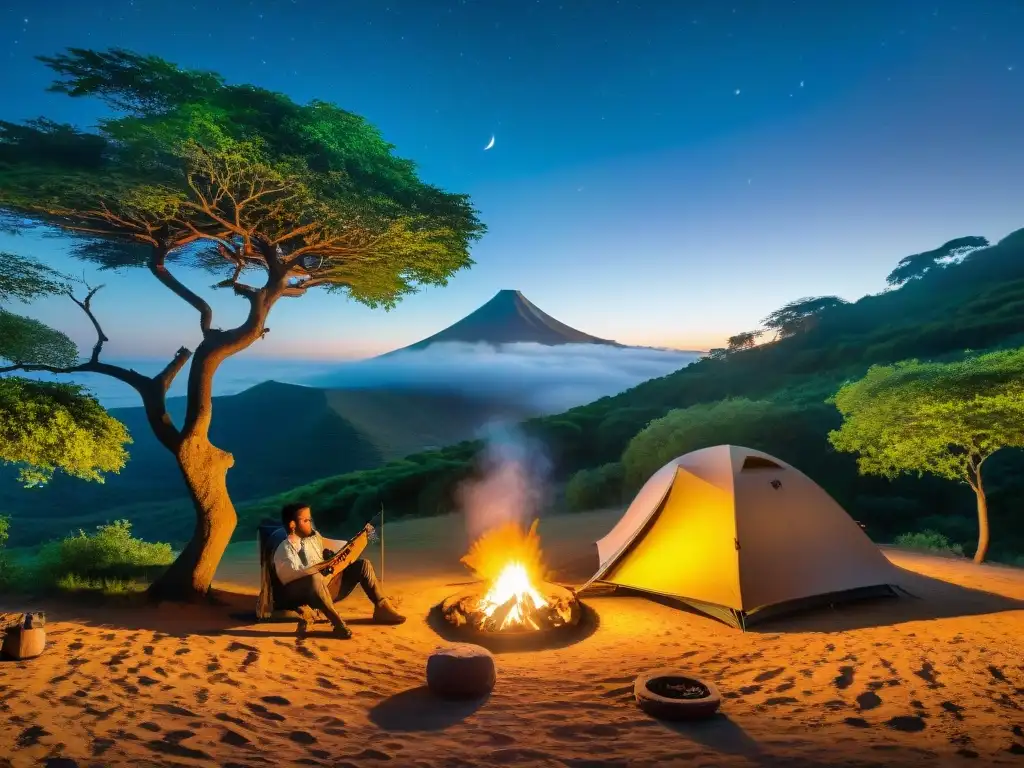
x=295 y=561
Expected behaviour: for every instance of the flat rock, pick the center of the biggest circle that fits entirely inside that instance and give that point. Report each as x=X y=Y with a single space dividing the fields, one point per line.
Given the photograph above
x=461 y=670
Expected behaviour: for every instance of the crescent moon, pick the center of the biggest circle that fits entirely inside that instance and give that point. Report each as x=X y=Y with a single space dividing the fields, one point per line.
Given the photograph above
x=489 y=144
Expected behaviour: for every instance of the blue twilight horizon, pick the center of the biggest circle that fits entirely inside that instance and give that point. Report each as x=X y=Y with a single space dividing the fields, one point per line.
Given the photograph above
x=663 y=173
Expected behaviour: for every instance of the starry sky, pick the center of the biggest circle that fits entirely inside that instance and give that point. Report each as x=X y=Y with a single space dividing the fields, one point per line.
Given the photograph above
x=665 y=172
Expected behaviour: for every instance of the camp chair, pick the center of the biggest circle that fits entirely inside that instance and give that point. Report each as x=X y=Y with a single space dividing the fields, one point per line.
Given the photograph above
x=270 y=605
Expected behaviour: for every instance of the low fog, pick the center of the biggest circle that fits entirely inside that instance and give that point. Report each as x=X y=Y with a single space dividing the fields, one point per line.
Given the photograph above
x=545 y=379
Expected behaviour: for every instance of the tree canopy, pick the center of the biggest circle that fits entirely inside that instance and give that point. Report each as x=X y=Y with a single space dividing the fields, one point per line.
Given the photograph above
x=232 y=178
x=23 y=339
x=46 y=426
x=745 y=340
x=943 y=419
x=798 y=316
x=919 y=264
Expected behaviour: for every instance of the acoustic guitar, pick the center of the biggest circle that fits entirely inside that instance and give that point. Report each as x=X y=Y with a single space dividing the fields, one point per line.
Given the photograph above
x=344 y=557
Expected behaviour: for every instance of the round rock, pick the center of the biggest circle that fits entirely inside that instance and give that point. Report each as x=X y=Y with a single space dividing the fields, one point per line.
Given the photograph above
x=461 y=671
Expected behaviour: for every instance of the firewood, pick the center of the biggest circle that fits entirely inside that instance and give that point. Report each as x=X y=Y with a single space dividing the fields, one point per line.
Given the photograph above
x=528 y=609
x=502 y=611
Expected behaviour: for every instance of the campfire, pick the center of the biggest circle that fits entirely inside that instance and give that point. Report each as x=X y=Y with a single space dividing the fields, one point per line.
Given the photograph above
x=513 y=596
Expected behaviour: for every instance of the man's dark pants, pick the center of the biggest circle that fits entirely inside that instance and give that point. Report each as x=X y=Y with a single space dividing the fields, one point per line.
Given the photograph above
x=316 y=592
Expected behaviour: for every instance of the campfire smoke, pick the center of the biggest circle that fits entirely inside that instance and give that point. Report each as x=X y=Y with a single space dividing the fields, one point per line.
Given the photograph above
x=513 y=485
x=504 y=554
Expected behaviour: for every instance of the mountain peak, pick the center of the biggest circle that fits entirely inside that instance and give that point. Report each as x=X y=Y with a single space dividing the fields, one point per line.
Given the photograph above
x=509 y=317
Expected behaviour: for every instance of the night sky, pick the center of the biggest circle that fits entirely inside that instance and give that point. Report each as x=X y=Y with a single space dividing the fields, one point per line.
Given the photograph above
x=664 y=172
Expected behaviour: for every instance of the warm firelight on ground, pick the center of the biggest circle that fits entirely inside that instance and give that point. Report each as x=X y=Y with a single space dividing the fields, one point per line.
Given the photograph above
x=508 y=559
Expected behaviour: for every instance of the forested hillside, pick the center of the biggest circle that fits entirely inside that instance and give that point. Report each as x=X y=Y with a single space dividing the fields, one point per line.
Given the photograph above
x=944 y=310
x=281 y=436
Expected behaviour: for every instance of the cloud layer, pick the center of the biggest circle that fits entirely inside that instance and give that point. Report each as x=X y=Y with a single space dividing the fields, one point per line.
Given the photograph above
x=546 y=379
x=538 y=378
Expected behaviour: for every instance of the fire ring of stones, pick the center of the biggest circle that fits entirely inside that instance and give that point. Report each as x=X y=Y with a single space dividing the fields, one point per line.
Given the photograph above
x=465 y=614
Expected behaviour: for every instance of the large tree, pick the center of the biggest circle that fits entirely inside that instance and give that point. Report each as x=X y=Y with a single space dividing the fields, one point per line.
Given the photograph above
x=745 y=340
x=244 y=183
x=945 y=419
x=800 y=315
x=46 y=426
x=918 y=265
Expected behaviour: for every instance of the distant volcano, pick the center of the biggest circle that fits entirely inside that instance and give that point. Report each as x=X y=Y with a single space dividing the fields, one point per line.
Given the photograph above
x=509 y=318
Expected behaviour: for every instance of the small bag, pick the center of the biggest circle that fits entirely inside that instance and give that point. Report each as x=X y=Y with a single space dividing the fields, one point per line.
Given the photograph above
x=27 y=639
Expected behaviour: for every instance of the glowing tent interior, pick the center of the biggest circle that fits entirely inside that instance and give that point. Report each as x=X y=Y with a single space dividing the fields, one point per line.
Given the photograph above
x=740 y=535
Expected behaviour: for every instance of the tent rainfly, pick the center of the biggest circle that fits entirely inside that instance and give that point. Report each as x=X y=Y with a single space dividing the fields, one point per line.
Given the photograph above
x=740 y=535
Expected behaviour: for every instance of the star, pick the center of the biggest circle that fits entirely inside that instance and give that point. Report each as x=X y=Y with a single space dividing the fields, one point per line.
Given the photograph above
x=737 y=91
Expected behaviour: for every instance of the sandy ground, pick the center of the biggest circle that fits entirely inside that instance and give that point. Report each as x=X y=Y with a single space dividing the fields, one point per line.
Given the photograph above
x=933 y=681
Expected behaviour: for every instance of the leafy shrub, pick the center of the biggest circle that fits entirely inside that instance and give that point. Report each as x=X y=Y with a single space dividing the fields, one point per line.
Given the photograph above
x=110 y=559
x=929 y=541
x=594 y=488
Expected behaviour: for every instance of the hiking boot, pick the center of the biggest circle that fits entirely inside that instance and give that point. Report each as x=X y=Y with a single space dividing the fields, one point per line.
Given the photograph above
x=385 y=613
x=342 y=631
x=306 y=619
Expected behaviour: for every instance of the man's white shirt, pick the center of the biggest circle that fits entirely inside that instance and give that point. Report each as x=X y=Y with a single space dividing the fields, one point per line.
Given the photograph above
x=287 y=563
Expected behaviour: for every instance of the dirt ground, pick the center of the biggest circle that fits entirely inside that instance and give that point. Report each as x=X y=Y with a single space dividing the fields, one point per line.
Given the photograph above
x=937 y=679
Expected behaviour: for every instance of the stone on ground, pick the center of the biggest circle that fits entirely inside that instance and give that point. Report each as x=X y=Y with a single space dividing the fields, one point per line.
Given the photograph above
x=20 y=643
x=461 y=670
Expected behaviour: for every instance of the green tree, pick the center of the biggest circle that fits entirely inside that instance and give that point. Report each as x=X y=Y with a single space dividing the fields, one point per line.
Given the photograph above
x=945 y=419
x=47 y=426
x=592 y=488
x=800 y=315
x=241 y=182
x=745 y=340
x=919 y=264
x=760 y=424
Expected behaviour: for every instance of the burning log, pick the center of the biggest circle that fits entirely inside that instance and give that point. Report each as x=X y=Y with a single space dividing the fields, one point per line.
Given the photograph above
x=496 y=620
x=514 y=598
x=468 y=610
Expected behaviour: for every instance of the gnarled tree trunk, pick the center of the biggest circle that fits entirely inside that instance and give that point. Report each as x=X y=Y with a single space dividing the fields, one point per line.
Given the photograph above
x=205 y=468
x=203 y=465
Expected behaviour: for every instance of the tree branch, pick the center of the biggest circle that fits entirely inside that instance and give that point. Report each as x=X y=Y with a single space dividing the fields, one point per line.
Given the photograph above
x=153 y=400
x=240 y=289
x=128 y=376
x=86 y=306
x=277 y=267
x=159 y=269
x=153 y=391
x=166 y=376
x=216 y=348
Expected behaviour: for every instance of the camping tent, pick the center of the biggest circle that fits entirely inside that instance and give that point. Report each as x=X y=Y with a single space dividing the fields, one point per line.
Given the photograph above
x=739 y=534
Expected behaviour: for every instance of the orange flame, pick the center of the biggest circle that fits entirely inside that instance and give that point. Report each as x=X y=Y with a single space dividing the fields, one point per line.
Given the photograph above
x=510 y=561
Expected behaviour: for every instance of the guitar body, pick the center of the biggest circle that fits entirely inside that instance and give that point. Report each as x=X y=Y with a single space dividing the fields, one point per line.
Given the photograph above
x=349 y=553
